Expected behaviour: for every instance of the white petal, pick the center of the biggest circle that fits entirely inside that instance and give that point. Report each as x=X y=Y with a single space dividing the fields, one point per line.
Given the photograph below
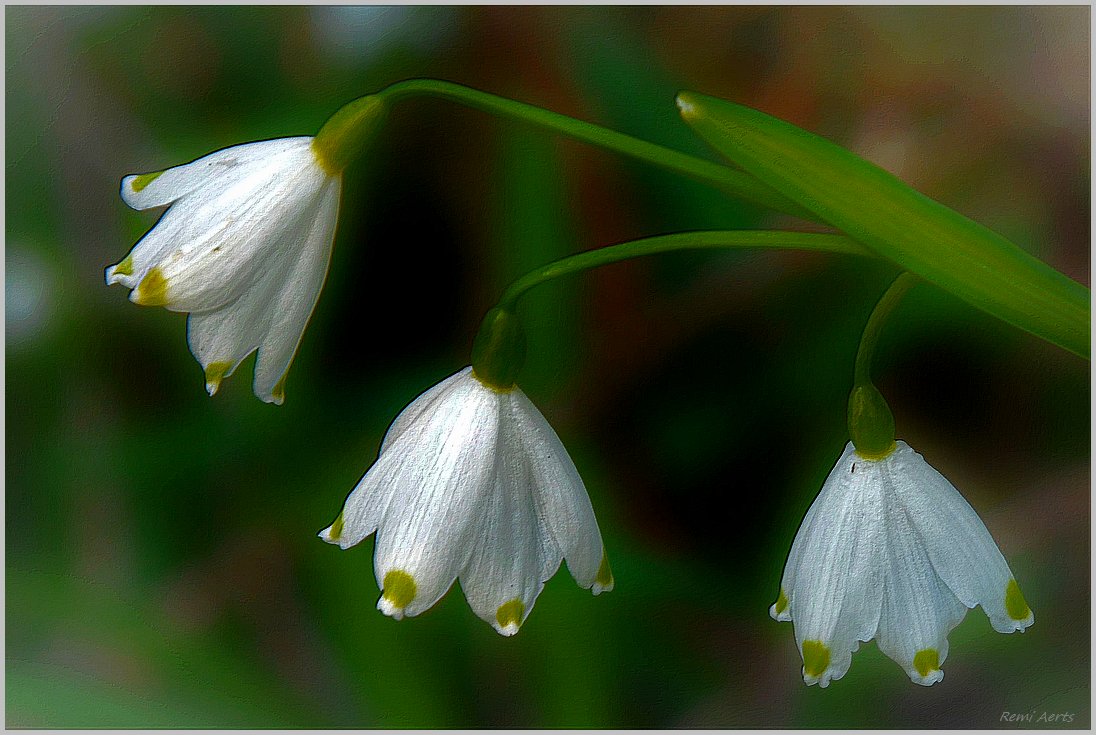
x=294 y=305
x=780 y=610
x=918 y=608
x=515 y=440
x=228 y=239
x=399 y=471
x=148 y=251
x=222 y=338
x=836 y=592
x=962 y=551
x=503 y=577
x=422 y=406
x=429 y=529
x=216 y=169
x=368 y=501
x=216 y=239
x=272 y=313
x=561 y=497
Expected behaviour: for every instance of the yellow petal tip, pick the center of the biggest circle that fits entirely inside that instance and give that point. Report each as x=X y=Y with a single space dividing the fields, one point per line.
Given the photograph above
x=604 y=581
x=215 y=372
x=781 y=602
x=926 y=661
x=399 y=588
x=278 y=394
x=816 y=658
x=152 y=290
x=1015 y=604
x=142 y=180
x=125 y=267
x=335 y=531
x=686 y=105
x=509 y=616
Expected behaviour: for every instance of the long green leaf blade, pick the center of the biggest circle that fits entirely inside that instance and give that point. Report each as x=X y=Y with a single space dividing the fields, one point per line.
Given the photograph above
x=896 y=221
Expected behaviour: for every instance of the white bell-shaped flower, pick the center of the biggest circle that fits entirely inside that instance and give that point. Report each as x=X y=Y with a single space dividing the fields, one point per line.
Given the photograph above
x=472 y=483
x=890 y=550
x=244 y=247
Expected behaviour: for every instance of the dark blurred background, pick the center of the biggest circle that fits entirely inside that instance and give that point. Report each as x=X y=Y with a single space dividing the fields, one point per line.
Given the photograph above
x=162 y=566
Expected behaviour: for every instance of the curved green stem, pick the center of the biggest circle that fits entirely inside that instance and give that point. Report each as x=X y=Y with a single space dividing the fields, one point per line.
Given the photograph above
x=499 y=348
x=866 y=352
x=709 y=240
x=733 y=182
x=871 y=423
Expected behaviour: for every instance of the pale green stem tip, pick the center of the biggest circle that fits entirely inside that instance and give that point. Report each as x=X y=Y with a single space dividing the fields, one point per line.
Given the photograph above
x=347 y=133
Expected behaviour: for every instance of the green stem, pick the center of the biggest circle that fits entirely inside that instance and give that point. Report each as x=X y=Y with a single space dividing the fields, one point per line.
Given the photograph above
x=879 y=315
x=729 y=180
x=871 y=423
x=499 y=348
x=680 y=241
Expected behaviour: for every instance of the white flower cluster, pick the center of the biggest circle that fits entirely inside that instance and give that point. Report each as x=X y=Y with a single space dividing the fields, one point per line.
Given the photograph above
x=471 y=482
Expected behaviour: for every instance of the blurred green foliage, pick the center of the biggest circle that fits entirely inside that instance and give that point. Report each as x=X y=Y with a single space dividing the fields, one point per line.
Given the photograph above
x=162 y=569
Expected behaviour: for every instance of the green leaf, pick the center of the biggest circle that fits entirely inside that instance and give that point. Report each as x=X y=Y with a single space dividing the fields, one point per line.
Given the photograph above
x=896 y=221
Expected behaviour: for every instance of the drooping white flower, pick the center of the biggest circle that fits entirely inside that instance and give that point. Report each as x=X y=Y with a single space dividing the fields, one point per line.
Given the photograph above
x=890 y=550
x=472 y=482
x=244 y=247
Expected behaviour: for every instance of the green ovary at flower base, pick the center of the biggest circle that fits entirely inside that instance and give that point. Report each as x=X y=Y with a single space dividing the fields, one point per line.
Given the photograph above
x=871 y=423
x=498 y=352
